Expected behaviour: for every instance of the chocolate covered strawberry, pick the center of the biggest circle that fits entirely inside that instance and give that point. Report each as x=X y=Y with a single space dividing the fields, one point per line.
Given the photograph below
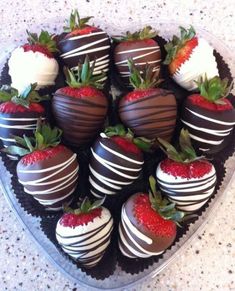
x=209 y=115
x=47 y=170
x=34 y=62
x=85 y=233
x=81 y=39
x=139 y=46
x=148 y=111
x=187 y=180
x=190 y=57
x=19 y=113
x=80 y=108
x=148 y=224
x=116 y=161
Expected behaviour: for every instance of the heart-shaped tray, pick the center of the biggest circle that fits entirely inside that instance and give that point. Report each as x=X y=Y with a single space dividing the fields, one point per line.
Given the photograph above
x=119 y=278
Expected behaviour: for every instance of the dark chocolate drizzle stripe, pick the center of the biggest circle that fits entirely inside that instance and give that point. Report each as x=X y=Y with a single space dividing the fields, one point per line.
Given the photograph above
x=84 y=256
x=96 y=45
x=79 y=118
x=109 y=170
x=188 y=197
x=149 y=121
x=207 y=134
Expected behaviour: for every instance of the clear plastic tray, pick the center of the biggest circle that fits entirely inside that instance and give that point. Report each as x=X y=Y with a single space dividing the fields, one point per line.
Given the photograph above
x=119 y=279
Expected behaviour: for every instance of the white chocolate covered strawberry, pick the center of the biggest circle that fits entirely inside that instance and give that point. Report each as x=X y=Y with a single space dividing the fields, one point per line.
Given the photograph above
x=190 y=57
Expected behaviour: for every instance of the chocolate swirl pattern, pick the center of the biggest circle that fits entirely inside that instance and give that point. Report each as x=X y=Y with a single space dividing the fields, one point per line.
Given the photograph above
x=52 y=181
x=95 y=44
x=86 y=244
x=188 y=194
x=207 y=129
x=111 y=169
x=79 y=118
x=151 y=116
x=133 y=242
x=19 y=124
x=141 y=53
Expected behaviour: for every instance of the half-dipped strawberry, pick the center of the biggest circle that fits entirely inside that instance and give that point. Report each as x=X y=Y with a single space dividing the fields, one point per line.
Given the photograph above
x=190 y=57
x=85 y=233
x=80 y=109
x=34 y=62
x=19 y=113
x=209 y=116
x=81 y=39
x=116 y=161
x=140 y=47
x=187 y=180
x=148 y=111
x=48 y=170
x=148 y=224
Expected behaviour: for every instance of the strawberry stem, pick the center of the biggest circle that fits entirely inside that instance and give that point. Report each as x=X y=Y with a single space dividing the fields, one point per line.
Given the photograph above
x=84 y=76
x=25 y=98
x=44 y=39
x=145 y=33
x=44 y=137
x=215 y=89
x=186 y=154
x=163 y=206
x=173 y=46
x=85 y=206
x=75 y=22
x=147 y=79
x=119 y=130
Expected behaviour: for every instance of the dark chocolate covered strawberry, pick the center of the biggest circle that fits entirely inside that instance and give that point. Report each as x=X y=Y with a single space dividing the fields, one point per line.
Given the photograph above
x=48 y=170
x=148 y=111
x=140 y=47
x=84 y=233
x=80 y=108
x=34 y=62
x=19 y=113
x=187 y=180
x=209 y=116
x=116 y=161
x=190 y=57
x=148 y=224
x=82 y=39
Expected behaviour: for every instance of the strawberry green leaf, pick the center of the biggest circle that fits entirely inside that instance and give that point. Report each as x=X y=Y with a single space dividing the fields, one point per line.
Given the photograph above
x=145 y=33
x=7 y=92
x=98 y=203
x=146 y=79
x=215 y=89
x=75 y=22
x=173 y=46
x=84 y=76
x=186 y=154
x=15 y=150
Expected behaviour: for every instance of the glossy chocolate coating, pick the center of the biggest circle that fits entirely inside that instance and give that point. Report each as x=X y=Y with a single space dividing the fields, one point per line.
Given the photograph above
x=52 y=187
x=139 y=248
x=111 y=168
x=142 y=52
x=79 y=118
x=96 y=45
x=152 y=116
x=208 y=129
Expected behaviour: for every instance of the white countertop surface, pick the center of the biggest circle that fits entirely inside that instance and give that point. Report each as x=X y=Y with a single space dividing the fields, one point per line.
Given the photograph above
x=209 y=262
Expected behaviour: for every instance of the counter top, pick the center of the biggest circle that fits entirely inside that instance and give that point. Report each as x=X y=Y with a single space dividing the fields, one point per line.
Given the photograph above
x=209 y=261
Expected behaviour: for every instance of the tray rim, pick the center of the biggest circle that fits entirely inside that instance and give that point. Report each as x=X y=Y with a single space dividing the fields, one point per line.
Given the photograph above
x=205 y=215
